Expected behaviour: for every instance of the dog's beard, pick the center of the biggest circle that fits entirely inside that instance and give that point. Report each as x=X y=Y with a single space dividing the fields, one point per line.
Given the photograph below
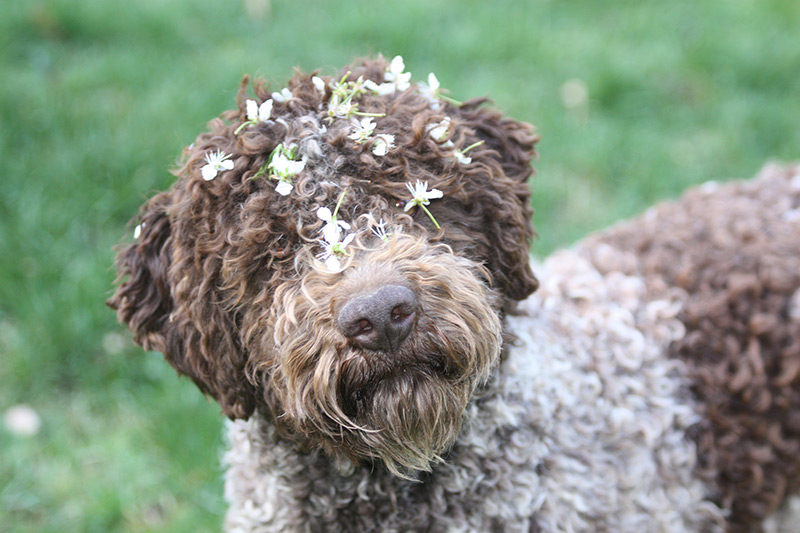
x=404 y=409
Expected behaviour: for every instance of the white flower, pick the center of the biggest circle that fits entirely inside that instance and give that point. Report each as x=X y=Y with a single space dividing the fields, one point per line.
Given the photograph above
x=362 y=131
x=461 y=158
x=282 y=97
x=340 y=109
x=439 y=130
x=216 y=162
x=331 y=250
x=332 y=230
x=430 y=91
x=319 y=83
x=382 y=144
x=282 y=166
x=261 y=112
x=255 y=114
x=137 y=231
x=394 y=74
x=421 y=197
x=380 y=231
x=381 y=90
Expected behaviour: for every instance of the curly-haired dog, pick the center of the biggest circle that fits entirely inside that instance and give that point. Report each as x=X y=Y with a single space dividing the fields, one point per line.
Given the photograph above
x=339 y=265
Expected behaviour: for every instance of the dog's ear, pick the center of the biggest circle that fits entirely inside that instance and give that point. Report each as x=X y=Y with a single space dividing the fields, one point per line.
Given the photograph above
x=170 y=310
x=510 y=229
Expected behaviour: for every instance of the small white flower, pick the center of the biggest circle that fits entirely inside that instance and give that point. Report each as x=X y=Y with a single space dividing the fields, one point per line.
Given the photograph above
x=216 y=162
x=382 y=144
x=461 y=158
x=430 y=91
x=282 y=166
x=439 y=130
x=380 y=231
x=137 y=231
x=282 y=97
x=255 y=114
x=421 y=196
x=381 y=90
x=341 y=109
x=332 y=230
x=394 y=74
x=319 y=83
x=332 y=250
x=362 y=130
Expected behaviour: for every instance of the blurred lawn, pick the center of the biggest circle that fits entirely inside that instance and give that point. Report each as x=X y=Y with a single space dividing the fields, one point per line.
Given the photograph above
x=98 y=98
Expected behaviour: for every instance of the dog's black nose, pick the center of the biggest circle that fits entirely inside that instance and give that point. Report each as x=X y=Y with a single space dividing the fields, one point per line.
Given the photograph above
x=379 y=320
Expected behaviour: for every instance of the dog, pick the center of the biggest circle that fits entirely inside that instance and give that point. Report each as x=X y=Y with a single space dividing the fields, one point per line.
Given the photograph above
x=344 y=266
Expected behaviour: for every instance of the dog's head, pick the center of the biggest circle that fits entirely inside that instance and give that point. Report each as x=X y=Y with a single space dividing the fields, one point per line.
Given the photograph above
x=338 y=256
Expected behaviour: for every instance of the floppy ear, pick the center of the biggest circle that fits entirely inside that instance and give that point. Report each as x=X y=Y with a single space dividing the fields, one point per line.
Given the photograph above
x=510 y=229
x=170 y=309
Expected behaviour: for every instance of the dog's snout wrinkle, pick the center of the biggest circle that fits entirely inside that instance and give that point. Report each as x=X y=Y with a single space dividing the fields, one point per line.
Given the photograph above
x=379 y=320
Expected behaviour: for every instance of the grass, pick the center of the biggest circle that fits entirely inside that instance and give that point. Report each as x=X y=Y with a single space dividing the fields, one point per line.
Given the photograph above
x=99 y=97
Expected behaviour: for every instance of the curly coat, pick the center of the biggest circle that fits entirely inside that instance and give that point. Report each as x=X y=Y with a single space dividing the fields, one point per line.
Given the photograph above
x=650 y=384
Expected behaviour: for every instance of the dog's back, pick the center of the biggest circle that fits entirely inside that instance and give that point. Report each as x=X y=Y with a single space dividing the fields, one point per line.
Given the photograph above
x=733 y=251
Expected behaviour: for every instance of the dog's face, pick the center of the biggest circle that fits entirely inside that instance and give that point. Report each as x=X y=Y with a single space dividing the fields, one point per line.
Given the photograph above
x=296 y=266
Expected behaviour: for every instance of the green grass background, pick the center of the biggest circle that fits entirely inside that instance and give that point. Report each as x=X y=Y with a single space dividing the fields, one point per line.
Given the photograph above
x=97 y=98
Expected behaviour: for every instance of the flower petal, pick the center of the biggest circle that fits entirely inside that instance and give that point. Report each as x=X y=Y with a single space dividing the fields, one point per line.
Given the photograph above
x=252 y=109
x=209 y=172
x=284 y=188
x=319 y=83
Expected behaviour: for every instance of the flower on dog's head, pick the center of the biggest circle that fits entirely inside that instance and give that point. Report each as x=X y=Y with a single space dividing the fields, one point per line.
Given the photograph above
x=215 y=162
x=380 y=231
x=438 y=130
x=381 y=90
x=395 y=75
x=333 y=227
x=319 y=83
x=283 y=165
x=421 y=197
x=362 y=130
x=137 y=231
x=333 y=246
x=459 y=156
x=333 y=250
x=282 y=97
x=431 y=90
x=255 y=114
x=342 y=102
x=382 y=144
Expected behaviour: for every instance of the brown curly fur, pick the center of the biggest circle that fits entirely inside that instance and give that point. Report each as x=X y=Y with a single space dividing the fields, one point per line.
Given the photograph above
x=742 y=345
x=224 y=282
